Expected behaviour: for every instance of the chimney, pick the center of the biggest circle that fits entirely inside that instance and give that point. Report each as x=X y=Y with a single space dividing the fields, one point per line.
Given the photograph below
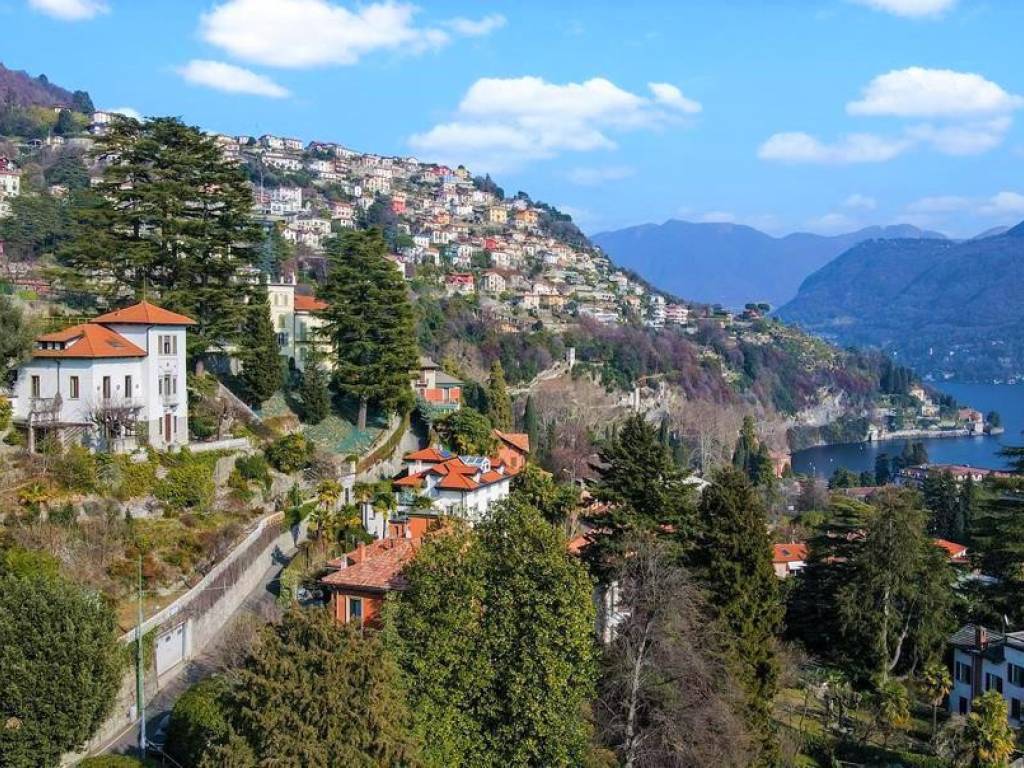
x=362 y=552
x=980 y=638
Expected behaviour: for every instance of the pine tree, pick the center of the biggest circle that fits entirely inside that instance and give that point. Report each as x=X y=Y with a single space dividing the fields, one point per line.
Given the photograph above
x=499 y=404
x=171 y=222
x=262 y=374
x=314 y=692
x=883 y=469
x=735 y=561
x=530 y=423
x=369 y=323
x=316 y=397
x=644 y=491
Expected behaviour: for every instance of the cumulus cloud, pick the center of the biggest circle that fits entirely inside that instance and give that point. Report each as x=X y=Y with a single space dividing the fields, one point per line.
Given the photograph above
x=314 y=33
x=940 y=204
x=70 y=10
x=671 y=96
x=717 y=217
x=134 y=114
x=504 y=122
x=860 y=202
x=1006 y=204
x=800 y=147
x=920 y=92
x=592 y=177
x=1003 y=204
x=476 y=27
x=230 y=79
x=965 y=139
x=911 y=9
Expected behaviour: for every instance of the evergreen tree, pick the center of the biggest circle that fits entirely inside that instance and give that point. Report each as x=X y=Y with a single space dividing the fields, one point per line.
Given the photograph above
x=316 y=397
x=62 y=668
x=644 y=492
x=508 y=592
x=499 y=404
x=16 y=340
x=531 y=425
x=80 y=102
x=262 y=374
x=883 y=469
x=69 y=170
x=316 y=693
x=466 y=431
x=65 y=123
x=171 y=221
x=369 y=323
x=734 y=559
x=942 y=499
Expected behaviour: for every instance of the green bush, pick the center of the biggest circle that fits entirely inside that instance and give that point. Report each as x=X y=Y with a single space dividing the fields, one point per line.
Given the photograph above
x=254 y=469
x=198 y=720
x=290 y=453
x=15 y=438
x=28 y=562
x=111 y=761
x=189 y=483
x=136 y=478
x=75 y=470
x=5 y=413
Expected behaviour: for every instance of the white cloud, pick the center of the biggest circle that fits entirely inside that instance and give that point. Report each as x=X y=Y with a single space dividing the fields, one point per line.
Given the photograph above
x=965 y=139
x=70 y=10
x=311 y=33
x=592 y=177
x=1003 y=204
x=230 y=79
x=860 y=202
x=940 y=204
x=717 y=217
x=134 y=114
x=504 y=122
x=671 y=96
x=476 y=27
x=912 y=9
x=920 y=92
x=800 y=147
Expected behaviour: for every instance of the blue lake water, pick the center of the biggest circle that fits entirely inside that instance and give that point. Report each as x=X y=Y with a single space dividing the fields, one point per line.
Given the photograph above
x=1007 y=399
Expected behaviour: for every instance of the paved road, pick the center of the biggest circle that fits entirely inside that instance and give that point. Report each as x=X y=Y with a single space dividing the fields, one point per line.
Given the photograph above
x=261 y=602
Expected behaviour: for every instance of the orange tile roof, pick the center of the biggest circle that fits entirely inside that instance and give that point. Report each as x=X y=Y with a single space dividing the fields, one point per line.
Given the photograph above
x=308 y=303
x=457 y=481
x=144 y=313
x=428 y=454
x=957 y=552
x=578 y=544
x=409 y=481
x=789 y=553
x=88 y=341
x=376 y=571
x=518 y=440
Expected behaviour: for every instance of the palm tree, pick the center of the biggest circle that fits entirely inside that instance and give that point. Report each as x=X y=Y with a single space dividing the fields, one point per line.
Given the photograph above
x=987 y=733
x=327 y=493
x=935 y=683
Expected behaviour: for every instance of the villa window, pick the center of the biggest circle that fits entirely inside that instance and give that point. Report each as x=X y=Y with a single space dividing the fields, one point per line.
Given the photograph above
x=1015 y=709
x=127 y=386
x=993 y=682
x=355 y=609
x=106 y=387
x=35 y=386
x=1015 y=674
x=73 y=388
x=962 y=672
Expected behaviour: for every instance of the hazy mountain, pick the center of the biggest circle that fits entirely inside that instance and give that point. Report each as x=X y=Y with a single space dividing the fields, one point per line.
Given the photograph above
x=22 y=90
x=942 y=306
x=732 y=264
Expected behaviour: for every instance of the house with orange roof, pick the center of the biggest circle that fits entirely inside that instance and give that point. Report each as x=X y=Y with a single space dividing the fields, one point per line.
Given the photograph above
x=789 y=558
x=437 y=392
x=360 y=580
x=110 y=384
x=296 y=320
x=513 y=449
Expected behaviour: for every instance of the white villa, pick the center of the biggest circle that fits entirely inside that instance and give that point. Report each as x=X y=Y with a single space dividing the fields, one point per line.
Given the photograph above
x=295 y=320
x=987 y=660
x=110 y=384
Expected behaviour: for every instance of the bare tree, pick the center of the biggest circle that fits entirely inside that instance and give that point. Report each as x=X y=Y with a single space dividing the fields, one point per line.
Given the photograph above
x=667 y=698
x=115 y=417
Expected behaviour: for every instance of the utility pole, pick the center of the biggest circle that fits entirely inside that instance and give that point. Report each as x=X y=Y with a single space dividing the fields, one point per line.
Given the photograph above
x=140 y=694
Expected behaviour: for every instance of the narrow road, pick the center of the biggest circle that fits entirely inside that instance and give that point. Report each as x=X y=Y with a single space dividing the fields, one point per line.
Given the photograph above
x=261 y=602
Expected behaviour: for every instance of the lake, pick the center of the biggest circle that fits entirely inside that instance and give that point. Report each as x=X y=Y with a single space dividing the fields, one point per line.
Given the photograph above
x=1007 y=399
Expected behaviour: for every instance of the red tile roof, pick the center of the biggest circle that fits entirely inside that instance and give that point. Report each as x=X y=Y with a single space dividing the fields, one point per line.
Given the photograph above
x=144 y=313
x=88 y=341
x=428 y=455
x=518 y=440
x=789 y=553
x=308 y=303
x=377 y=568
x=957 y=552
x=457 y=481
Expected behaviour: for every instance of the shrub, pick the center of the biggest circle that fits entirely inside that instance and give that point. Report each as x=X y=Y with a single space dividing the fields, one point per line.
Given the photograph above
x=254 y=469
x=5 y=413
x=14 y=438
x=188 y=485
x=76 y=470
x=137 y=478
x=197 y=721
x=64 y=515
x=111 y=761
x=289 y=453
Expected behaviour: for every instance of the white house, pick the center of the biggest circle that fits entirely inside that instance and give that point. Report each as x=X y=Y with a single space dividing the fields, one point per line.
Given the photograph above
x=111 y=383
x=986 y=660
x=10 y=179
x=295 y=320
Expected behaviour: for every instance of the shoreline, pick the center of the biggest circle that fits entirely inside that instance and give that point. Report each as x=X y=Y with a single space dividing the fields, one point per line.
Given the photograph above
x=896 y=437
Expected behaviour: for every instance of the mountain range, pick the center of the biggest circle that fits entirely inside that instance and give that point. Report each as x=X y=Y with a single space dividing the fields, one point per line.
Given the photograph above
x=943 y=307
x=732 y=264
x=21 y=89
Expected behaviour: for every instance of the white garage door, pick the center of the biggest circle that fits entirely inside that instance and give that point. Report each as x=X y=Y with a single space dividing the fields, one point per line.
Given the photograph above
x=171 y=648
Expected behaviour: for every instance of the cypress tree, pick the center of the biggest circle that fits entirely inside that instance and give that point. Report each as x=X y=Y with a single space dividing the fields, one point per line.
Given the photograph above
x=369 y=323
x=735 y=560
x=316 y=398
x=262 y=374
x=499 y=404
x=530 y=423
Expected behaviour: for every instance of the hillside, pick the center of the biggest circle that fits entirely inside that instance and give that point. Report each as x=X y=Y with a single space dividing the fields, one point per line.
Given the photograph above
x=732 y=264
x=18 y=88
x=944 y=308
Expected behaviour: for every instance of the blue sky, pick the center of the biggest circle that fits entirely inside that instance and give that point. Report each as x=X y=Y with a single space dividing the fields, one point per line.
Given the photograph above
x=819 y=115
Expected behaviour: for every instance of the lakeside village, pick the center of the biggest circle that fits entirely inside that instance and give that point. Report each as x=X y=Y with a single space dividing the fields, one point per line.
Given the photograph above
x=105 y=423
